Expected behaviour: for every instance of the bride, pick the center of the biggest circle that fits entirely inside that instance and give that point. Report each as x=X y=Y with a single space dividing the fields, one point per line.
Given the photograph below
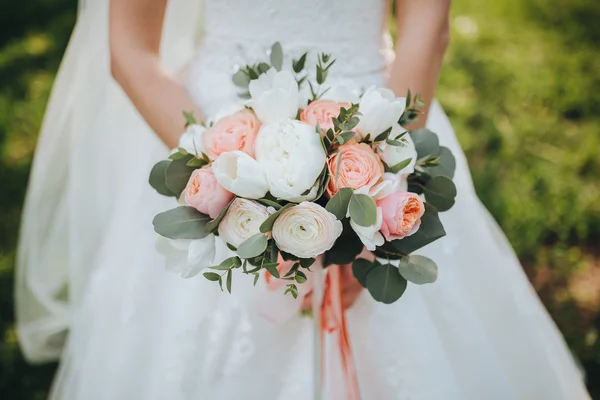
x=87 y=261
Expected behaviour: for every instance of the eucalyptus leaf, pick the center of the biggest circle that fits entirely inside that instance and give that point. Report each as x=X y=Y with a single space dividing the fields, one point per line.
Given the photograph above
x=178 y=174
x=440 y=192
x=298 y=65
x=383 y=135
x=300 y=277
x=400 y=166
x=430 y=230
x=272 y=269
x=253 y=246
x=426 y=142
x=277 y=56
x=344 y=137
x=269 y=222
x=385 y=283
x=228 y=285
x=363 y=210
x=306 y=262
x=213 y=225
x=231 y=247
x=361 y=268
x=445 y=166
x=418 y=269
x=241 y=79
x=270 y=203
x=196 y=163
x=346 y=247
x=338 y=204
x=189 y=118
x=181 y=223
x=157 y=178
x=212 y=276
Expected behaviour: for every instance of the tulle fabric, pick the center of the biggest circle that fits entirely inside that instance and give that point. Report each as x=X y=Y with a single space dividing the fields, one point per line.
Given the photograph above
x=137 y=332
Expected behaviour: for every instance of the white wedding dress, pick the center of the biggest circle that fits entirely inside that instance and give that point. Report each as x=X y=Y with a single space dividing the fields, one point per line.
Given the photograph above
x=138 y=332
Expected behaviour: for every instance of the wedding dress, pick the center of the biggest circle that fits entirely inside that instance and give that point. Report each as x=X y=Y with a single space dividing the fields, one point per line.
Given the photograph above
x=138 y=332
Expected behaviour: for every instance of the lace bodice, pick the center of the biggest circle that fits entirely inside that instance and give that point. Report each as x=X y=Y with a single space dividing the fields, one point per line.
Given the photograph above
x=238 y=32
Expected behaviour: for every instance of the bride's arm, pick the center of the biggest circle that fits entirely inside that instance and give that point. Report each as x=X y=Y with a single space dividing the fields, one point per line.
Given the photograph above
x=422 y=37
x=135 y=28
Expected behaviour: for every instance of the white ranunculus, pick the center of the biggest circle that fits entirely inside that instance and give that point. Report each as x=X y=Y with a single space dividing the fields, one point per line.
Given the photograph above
x=187 y=257
x=240 y=174
x=191 y=140
x=393 y=155
x=380 y=110
x=306 y=230
x=274 y=96
x=370 y=235
x=292 y=156
x=242 y=221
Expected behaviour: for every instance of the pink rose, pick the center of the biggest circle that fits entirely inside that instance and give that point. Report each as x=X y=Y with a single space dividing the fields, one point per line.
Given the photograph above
x=402 y=212
x=204 y=193
x=321 y=112
x=359 y=167
x=234 y=132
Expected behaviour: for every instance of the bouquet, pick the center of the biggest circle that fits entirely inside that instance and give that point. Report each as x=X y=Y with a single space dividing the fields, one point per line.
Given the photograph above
x=300 y=169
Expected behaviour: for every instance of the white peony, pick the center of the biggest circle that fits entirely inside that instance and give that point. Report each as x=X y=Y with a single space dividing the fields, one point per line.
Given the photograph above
x=191 y=140
x=393 y=155
x=274 y=96
x=370 y=235
x=242 y=221
x=187 y=257
x=225 y=111
x=240 y=174
x=380 y=109
x=306 y=230
x=292 y=156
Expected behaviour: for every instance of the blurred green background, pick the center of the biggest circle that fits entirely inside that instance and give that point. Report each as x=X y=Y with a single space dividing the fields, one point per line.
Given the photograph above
x=522 y=87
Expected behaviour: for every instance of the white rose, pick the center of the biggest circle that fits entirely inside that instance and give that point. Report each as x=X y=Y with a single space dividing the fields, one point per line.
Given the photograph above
x=370 y=235
x=191 y=140
x=274 y=96
x=240 y=174
x=306 y=230
x=187 y=257
x=380 y=110
x=242 y=221
x=292 y=156
x=393 y=155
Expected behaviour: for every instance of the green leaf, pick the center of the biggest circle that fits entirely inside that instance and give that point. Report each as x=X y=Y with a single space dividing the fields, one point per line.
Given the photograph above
x=274 y=256
x=263 y=67
x=254 y=246
x=157 y=178
x=178 y=174
x=383 y=135
x=338 y=204
x=440 y=192
x=363 y=210
x=231 y=247
x=300 y=277
x=276 y=56
x=229 y=274
x=213 y=225
x=361 y=268
x=393 y=142
x=400 y=166
x=181 y=223
x=418 y=269
x=298 y=65
x=344 y=137
x=407 y=104
x=241 y=79
x=431 y=229
x=272 y=269
x=189 y=118
x=346 y=247
x=196 y=163
x=269 y=222
x=321 y=75
x=270 y=203
x=385 y=283
x=426 y=142
x=212 y=276
x=350 y=123
x=255 y=279
x=446 y=164
x=306 y=262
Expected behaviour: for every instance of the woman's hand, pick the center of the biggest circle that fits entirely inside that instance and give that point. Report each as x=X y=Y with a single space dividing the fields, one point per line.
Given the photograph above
x=351 y=288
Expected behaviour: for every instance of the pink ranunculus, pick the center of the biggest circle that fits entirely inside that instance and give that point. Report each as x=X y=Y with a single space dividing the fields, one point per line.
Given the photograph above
x=321 y=112
x=359 y=168
x=234 y=132
x=204 y=193
x=402 y=212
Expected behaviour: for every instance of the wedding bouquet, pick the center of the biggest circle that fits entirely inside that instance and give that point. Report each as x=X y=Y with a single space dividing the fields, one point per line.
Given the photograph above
x=301 y=169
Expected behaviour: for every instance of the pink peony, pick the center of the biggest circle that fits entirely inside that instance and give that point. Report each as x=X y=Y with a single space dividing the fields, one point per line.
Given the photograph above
x=402 y=212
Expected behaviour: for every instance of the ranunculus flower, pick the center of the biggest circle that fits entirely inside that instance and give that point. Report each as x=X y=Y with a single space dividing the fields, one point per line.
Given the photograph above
x=204 y=193
x=187 y=257
x=191 y=140
x=292 y=156
x=234 y=132
x=393 y=155
x=274 y=96
x=242 y=221
x=380 y=110
x=306 y=230
x=402 y=212
x=240 y=174
x=359 y=168
x=320 y=112
x=370 y=235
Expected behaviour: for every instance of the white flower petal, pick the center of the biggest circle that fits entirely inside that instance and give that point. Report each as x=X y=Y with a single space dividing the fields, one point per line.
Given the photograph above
x=240 y=174
x=370 y=235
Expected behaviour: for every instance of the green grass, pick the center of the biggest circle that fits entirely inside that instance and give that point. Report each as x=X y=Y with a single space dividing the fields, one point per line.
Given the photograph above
x=522 y=88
